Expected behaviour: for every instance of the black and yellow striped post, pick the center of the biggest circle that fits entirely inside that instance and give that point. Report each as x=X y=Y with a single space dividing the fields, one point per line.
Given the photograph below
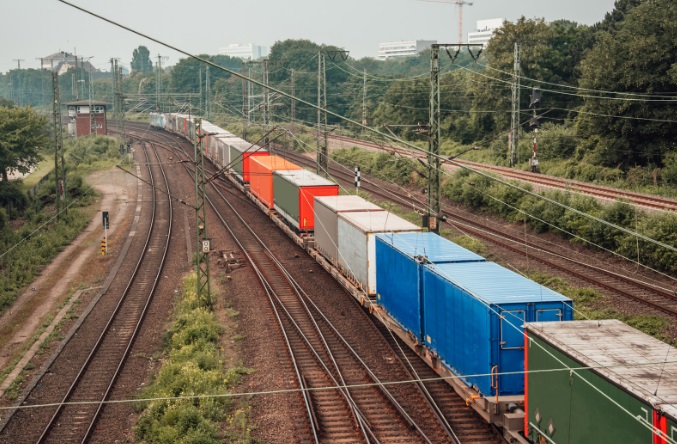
x=103 y=247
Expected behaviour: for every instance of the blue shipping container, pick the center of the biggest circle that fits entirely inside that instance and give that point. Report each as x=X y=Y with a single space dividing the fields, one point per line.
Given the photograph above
x=474 y=316
x=399 y=260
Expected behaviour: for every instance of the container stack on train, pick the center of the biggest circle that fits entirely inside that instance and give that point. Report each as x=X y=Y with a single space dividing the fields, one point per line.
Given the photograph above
x=462 y=314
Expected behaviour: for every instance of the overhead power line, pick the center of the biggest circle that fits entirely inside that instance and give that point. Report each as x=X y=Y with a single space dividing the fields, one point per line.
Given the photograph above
x=368 y=128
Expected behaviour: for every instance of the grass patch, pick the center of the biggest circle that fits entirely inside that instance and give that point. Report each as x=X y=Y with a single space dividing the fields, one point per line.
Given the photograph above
x=192 y=366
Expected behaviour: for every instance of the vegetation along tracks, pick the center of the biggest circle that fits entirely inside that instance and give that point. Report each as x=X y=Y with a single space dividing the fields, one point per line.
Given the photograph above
x=74 y=417
x=343 y=398
x=644 y=200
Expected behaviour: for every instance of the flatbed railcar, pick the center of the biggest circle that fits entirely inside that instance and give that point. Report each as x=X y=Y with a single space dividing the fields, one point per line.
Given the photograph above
x=497 y=392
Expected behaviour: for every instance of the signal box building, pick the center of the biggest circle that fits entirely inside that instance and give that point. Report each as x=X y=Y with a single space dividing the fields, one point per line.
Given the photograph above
x=81 y=121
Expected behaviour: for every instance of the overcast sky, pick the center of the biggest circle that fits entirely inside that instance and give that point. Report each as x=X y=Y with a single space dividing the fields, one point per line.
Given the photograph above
x=32 y=29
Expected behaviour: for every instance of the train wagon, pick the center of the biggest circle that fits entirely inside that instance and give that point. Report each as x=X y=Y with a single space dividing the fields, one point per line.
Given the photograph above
x=473 y=316
x=217 y=145
x=240 y=153
x=261 y=176
x=294 y=193
x=622 y=389
x=327 y=209
x=400 y=258
x=357 y=243
x=210 y=131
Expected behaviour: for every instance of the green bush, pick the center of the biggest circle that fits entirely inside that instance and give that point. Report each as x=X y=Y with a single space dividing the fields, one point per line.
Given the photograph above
x=481 y=193
x=193 y=367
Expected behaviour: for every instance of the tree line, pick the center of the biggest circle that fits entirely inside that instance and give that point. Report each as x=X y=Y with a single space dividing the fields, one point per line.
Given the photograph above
x=608 y=90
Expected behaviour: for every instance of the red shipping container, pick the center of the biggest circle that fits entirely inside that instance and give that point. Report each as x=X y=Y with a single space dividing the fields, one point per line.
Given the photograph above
x=295 y=193
x=246 y=163
x=261 y=176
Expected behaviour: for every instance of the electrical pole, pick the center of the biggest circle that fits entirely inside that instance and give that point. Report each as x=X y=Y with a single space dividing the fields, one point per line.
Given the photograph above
x=364 y=99
x=434 y=207
x=322 y=161
x=18 y=92
x=534 y=103
x=293 y=94
x=59 y=171
x=434 y=140
x=266 y=104
x=514 y=125
x=245 y=102
x=92 y=116
x=203 y=241
x=200 y=78
x=158 y=84
x=208 y=92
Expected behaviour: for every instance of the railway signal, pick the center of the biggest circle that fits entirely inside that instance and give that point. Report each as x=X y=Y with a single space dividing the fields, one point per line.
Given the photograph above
x=533 y=123
x=106 y=225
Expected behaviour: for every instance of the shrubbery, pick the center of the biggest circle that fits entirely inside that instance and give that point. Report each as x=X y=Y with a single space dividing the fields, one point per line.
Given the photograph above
x=193 y=366
x=481 y=193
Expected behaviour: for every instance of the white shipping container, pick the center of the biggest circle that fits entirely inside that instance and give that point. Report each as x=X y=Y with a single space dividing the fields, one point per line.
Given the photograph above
x=326 y=221
x=222 y=151
x=357 y=243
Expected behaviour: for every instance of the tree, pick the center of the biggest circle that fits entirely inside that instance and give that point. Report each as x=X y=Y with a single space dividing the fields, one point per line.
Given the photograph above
x=141 y=60
x=23 y=132
x=635 y=59
x=550 y=52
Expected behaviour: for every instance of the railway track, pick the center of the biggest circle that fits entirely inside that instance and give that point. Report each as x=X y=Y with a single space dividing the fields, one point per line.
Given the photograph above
x=321 y=357
x=76 y=413
x=659 y=297
x=642 y=290
x=361 y=409
x=644 y=200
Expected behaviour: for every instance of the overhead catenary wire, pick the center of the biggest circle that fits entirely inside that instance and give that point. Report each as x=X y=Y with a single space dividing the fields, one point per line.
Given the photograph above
x=391 y=138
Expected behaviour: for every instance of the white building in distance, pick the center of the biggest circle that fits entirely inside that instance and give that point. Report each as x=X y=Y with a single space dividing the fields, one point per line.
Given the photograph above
x=485 y=30
x=403 y=49
x=246 y=51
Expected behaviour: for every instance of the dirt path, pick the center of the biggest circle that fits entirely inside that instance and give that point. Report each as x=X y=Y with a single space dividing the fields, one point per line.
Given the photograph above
x=79 y=265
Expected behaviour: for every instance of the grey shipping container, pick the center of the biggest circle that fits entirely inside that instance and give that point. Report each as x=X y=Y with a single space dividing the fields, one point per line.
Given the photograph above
x=327 y=209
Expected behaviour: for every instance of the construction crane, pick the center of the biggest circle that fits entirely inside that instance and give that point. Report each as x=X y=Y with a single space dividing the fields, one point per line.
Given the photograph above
x=459 y=4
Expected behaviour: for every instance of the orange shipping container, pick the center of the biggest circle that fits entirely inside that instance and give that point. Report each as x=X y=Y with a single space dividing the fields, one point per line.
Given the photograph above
x=261 y=176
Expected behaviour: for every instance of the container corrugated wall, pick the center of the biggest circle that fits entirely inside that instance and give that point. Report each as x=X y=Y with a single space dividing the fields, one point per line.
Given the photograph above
x=400 y=258
x=326 y=221
x=294 y=196
x=473 y=317
x=261 y=176
x=632 y=370
x=357 y=243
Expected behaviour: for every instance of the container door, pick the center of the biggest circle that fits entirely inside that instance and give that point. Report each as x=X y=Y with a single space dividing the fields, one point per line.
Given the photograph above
x=511 y=354
x=512 y=337
x=548 y=315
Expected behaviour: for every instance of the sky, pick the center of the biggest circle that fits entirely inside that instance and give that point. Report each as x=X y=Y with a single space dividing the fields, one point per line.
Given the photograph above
x=31 y=29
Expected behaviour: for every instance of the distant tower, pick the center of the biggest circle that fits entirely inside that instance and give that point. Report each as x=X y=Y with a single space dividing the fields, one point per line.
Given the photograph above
x=459 y=4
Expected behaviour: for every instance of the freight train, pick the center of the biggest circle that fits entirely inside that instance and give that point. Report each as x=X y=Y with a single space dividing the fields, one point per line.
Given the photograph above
x=508 y=345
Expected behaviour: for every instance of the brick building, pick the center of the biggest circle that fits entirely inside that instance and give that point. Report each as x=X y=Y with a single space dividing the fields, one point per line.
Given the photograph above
x=80 y=122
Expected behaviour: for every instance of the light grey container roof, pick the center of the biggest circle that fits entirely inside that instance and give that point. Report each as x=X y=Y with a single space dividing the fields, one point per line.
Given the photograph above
x=635 y=361
x=378 y=221
x=347 y=203
x=303 y=178
x=433 y=247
